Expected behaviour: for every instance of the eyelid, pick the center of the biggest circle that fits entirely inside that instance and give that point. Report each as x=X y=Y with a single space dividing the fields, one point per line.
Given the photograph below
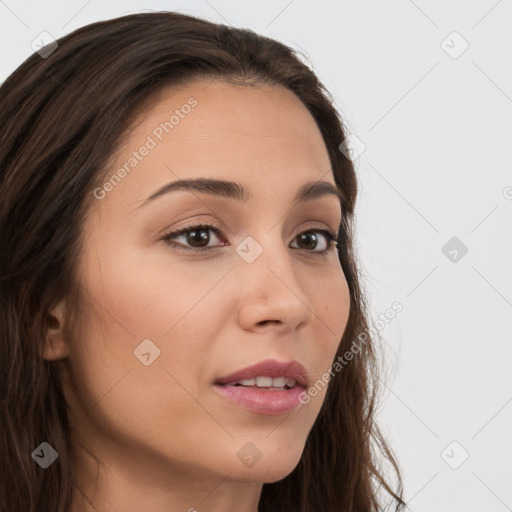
x=220 y=226
x=210 y=222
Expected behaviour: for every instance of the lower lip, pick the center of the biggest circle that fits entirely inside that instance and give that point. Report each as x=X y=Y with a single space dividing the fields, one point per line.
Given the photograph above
x=264 y=401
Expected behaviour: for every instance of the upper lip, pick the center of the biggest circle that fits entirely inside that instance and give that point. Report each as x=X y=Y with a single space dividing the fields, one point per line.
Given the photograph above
x=270 y=368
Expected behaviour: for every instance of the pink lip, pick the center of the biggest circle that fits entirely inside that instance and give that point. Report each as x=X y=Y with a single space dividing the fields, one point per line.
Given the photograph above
x=265 y=401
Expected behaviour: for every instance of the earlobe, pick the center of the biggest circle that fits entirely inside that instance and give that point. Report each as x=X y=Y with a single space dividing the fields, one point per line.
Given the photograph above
x=56 y=345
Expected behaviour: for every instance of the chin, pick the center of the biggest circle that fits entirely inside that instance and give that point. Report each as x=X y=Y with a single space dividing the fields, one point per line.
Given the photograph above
x=266 y=474
x=272 y=466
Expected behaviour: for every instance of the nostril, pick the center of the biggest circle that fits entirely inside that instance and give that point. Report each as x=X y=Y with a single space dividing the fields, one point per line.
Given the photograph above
x=264 y=322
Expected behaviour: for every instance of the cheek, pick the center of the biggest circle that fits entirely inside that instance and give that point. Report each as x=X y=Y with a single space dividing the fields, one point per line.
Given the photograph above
x=338 y=307
x=332 y=306
x=128 y=399
x=151 y=308
x=152 y=295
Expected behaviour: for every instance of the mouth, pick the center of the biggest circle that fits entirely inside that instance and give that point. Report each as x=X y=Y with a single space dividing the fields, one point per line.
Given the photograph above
x=269 y=387
x=265 y=383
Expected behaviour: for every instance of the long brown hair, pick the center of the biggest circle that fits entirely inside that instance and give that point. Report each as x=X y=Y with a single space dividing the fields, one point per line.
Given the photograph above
x=62 y=115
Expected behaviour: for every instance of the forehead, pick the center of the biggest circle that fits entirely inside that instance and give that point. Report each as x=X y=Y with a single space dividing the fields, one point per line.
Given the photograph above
x=233 y=110
x=260 y=135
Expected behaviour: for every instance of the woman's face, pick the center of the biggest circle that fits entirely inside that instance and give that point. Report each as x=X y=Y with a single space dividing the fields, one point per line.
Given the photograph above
x=164 y=324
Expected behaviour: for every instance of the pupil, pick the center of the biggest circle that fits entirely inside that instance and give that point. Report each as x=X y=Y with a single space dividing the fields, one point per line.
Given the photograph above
x=203 y=237
x=310 y=237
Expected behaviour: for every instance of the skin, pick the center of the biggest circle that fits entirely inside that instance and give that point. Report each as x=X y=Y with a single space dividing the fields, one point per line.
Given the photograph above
x=164 y=440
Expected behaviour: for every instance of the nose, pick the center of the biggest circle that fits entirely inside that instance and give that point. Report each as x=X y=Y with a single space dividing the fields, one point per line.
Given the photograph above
x=271 y=295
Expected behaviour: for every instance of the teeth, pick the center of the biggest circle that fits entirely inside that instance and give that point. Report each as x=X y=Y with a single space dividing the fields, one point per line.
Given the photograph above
x=279 y=382
x=266 y=382
x=247 y=382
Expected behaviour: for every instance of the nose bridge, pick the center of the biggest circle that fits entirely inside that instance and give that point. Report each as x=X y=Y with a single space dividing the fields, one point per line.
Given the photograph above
x=269 y=282
x=266 y=255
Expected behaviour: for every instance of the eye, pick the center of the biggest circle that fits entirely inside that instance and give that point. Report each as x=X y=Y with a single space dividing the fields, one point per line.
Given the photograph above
x=197 y=238
x=310 y=238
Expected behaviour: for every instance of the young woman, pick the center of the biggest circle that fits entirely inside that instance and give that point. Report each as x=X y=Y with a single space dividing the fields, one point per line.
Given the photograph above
x=179 y=289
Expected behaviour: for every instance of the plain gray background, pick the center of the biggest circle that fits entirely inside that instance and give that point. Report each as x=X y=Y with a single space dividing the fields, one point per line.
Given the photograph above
x=426 y=90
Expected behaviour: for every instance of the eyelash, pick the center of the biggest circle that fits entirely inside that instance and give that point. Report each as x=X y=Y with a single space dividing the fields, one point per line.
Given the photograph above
x=332 y=239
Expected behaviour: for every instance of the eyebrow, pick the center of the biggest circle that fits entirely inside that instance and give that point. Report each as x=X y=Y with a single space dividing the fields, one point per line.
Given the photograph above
x=234 y=190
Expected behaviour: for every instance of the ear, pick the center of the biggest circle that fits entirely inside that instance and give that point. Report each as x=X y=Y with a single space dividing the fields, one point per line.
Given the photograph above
x=56 y=345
